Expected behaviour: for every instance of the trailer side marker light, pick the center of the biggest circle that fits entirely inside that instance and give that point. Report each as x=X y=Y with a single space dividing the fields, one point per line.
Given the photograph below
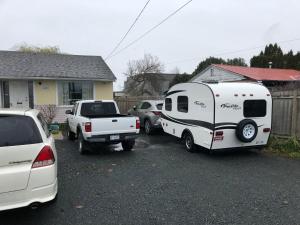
x=251 y=94
x=268 y=94
x=217 y=95
x=236 y=95
x=267 y=130
x=243 y=95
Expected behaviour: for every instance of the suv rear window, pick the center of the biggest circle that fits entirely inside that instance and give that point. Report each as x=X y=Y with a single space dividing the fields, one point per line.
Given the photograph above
x=255 y=108
x=159 y=106
x=98 y=109
x=18 y=130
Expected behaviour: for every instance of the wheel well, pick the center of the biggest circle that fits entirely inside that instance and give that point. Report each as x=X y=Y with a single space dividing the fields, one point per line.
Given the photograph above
x=185 y=131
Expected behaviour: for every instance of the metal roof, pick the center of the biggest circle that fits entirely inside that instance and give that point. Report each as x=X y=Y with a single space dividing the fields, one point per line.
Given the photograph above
x=263 y=74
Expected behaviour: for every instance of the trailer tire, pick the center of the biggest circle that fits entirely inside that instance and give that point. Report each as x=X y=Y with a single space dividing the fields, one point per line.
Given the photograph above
x=246 y=130
x=189 y=141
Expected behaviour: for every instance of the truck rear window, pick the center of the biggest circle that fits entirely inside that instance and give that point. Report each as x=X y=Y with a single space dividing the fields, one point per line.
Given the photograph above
x=96 y=109
x=255 y=108
x=18 y=130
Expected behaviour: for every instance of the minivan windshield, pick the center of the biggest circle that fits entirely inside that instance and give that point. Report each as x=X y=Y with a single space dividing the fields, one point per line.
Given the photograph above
x=98 y=109
x=18 y=130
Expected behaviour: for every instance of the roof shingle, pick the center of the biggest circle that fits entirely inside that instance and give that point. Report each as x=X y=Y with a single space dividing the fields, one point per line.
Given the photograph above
x=25 y=65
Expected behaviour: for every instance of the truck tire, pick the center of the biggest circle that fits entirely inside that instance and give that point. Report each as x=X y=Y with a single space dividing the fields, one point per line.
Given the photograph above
x=82 y=144
x=128 y=145
x=246 y=130
x=148 y=127
x=189 y=142
x=71 y=135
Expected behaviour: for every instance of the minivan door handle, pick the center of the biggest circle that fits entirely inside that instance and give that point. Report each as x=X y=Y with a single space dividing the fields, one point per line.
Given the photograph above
x=114 y=121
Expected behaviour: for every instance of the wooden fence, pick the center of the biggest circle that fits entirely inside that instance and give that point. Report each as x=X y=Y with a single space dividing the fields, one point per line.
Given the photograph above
x=285 y=118
x=286 y=113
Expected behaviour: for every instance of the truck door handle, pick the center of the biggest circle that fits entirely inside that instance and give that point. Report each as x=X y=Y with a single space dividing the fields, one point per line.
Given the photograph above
x=114 y=121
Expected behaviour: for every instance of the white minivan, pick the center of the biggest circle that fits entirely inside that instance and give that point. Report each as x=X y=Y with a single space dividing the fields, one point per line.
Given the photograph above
x=28 y=160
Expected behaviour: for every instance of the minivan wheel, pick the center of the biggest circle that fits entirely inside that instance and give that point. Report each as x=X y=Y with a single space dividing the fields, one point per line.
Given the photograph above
x=148 y=127
x=82 y=144
x=189 y=142
x=246 y=130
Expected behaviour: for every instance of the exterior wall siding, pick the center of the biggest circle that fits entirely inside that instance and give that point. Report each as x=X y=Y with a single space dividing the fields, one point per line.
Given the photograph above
x=214 y=73
x=45 y=92
x=103 y=90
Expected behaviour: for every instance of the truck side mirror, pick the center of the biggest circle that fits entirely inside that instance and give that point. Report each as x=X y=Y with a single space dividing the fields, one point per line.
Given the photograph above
x=134 y=108
x=69 y=112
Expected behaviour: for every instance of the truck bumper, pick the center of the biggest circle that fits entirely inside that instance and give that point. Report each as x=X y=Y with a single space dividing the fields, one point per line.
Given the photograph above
x=107 y=138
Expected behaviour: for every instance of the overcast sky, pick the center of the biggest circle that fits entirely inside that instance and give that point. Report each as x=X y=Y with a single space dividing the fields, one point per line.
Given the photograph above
x=202 y=29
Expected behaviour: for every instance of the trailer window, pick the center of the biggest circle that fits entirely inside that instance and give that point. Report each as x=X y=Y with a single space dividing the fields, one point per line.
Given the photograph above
x=255 y=108
x=183 y=104
x=168 y=104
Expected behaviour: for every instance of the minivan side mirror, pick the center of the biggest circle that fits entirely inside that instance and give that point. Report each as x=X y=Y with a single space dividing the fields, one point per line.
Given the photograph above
x=69 y=112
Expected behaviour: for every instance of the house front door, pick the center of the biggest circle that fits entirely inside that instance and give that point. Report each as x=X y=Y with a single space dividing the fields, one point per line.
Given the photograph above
x=18 y=94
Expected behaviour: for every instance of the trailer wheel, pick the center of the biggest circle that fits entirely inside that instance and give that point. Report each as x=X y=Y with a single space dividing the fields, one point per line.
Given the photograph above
x=246 y=130
x=189 y=142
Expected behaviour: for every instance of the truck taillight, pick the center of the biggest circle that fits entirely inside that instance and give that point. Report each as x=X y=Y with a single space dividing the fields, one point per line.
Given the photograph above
x=44 y=158
x=88 y=127
x=138 y=124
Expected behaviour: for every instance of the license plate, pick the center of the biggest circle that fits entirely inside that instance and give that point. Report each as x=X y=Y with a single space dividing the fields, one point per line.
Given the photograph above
x=114 y=137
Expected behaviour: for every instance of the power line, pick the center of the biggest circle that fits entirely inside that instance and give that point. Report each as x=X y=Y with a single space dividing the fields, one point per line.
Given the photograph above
x=130 y=28
x=232 y=52
x=151 y=29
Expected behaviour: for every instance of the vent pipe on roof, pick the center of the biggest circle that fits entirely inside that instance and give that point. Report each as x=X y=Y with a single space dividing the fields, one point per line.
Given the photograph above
x=270 y=65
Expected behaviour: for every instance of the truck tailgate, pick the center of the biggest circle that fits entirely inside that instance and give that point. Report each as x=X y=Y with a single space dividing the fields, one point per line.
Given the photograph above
x=119 y=125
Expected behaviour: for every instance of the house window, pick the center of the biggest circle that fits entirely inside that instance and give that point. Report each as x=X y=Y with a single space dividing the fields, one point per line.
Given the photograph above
x=71 y=91
x=183 y=104
x=168 y=104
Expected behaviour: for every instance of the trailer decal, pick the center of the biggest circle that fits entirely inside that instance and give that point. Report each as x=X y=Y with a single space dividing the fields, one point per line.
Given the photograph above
x=199 y=123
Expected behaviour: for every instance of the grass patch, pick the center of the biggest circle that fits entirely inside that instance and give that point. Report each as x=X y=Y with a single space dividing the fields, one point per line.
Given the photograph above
x=284 y=146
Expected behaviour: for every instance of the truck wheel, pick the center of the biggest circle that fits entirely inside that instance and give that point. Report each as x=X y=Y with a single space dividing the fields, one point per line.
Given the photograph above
x=246 y=130
x=128 y=145
x=82 y=144
x=148 y=127
x=71 y=135
x=189 y=142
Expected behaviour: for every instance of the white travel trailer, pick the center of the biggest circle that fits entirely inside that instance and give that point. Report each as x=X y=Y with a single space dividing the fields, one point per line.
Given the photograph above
x=218 y=116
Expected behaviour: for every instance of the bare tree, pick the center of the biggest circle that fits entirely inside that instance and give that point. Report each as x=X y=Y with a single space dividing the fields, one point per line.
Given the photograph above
x=49 y=112
x=139 y=73
x=176 y=70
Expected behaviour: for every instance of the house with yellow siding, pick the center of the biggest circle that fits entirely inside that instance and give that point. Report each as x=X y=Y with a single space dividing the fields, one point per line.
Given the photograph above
x=35 y=80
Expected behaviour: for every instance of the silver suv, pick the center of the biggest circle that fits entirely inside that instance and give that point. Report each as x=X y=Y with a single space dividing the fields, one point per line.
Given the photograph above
x=149 y=112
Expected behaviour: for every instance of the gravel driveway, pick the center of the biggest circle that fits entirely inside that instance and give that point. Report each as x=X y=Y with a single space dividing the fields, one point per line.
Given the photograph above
x=160 y=183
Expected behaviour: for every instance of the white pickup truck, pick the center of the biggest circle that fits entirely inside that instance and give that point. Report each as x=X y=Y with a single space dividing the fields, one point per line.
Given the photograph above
x=101 y=122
